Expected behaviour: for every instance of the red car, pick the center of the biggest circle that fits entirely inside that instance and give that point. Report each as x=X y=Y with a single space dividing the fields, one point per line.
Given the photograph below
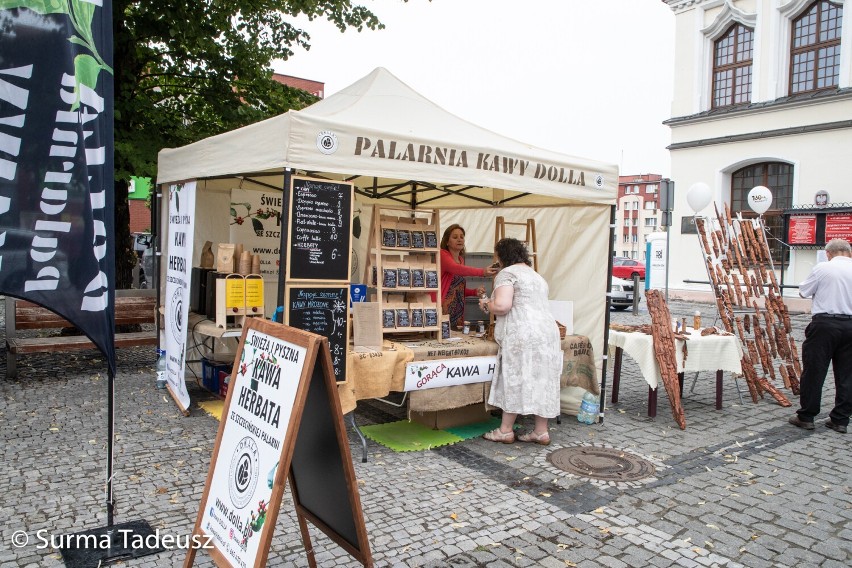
x=627 y=267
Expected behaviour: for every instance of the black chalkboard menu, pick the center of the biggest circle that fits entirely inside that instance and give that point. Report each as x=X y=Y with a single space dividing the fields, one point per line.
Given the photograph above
x=320 y=230
x=323 y=310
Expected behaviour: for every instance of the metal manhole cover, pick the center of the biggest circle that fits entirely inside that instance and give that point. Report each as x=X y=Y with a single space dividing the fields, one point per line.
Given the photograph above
x=608 y=464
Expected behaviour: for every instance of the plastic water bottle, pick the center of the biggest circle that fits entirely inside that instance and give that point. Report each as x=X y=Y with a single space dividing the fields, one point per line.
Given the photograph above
x=161 y=368
x=589 y=408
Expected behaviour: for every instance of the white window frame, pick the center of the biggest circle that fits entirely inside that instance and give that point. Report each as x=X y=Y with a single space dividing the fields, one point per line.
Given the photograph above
x=724 y=19
x=782 y=25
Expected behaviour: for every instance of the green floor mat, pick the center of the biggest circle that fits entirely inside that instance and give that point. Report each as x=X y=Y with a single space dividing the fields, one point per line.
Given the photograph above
x=469 y=431
x=405 y=436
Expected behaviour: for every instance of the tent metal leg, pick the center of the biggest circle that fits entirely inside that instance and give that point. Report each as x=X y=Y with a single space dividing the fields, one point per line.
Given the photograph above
x=351 y=418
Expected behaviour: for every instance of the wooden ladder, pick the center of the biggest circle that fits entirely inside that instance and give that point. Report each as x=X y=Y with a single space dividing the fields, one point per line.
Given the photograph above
x=529 y=238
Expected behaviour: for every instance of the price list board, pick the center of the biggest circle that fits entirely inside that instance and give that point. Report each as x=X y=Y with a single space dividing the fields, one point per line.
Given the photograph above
x=320 y=230
x=323 y=310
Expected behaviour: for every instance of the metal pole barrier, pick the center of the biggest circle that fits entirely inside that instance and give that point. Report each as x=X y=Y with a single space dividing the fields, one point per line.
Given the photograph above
x=636 y=293
x=668 y=234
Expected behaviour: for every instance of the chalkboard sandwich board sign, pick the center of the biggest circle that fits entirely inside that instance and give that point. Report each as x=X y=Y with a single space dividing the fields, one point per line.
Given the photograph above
x=320 y=230
x=281 y=420
x=324 y=310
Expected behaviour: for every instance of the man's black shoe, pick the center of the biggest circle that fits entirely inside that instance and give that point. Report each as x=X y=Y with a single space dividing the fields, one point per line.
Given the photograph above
x=835 y=427
x=796 y=421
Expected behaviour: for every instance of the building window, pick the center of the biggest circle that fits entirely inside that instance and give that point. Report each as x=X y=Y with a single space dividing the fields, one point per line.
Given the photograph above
x=732 y=55
x=650 y=205
x=815 y=56
x=650 y=189
x=651 y=222
x=778 y=177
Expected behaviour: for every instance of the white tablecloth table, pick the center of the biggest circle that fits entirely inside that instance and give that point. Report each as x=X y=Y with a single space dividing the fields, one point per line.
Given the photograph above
x=704 y=353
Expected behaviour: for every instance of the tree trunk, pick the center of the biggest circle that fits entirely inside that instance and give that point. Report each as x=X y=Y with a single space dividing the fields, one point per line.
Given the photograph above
x=125 y=256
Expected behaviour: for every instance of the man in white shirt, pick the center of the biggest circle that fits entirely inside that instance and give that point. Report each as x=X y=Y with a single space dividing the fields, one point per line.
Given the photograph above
x=828 y=338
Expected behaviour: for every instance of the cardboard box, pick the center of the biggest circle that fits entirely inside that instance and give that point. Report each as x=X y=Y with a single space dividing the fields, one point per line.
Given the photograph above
x=438 y=420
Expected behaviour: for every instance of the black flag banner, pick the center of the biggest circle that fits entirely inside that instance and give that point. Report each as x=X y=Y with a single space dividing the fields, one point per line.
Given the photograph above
x=56 y=161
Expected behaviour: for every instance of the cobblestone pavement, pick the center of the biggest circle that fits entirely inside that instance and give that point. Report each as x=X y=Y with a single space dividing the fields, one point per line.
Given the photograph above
x=738 y=487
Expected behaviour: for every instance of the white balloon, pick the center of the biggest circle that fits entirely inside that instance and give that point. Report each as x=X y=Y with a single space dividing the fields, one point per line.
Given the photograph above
x=699 y=196
x=759 y=199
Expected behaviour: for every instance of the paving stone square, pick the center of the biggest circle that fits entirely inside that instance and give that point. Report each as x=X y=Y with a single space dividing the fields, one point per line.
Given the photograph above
x=738 y=487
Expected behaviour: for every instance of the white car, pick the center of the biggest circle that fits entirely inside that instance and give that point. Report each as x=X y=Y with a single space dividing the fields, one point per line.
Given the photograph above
x=622 y=293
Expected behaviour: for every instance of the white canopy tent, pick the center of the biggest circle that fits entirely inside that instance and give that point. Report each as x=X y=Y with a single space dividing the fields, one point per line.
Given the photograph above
x=400 y=149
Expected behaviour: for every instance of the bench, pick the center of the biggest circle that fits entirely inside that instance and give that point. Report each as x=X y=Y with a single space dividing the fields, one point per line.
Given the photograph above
x=131 y=307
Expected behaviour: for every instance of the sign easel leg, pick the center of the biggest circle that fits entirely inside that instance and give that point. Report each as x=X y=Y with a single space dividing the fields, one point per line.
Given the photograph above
x=306 y=539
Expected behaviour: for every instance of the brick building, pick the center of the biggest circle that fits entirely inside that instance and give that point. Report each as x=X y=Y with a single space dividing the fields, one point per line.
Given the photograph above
x=313 y=87
x=638 y=213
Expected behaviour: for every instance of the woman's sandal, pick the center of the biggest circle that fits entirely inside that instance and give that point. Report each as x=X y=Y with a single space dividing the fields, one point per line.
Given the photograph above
x=496 y=435
x=541 y=439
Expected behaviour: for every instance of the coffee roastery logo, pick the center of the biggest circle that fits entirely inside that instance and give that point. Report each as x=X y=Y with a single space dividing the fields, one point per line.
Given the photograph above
x=243 y=472
x=177 y=316
x=327 y=142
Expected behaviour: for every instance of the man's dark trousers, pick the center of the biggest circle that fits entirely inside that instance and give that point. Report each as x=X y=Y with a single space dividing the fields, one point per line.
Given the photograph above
x=827 y=340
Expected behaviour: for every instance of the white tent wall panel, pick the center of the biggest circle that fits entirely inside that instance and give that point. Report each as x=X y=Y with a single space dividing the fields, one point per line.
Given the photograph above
x=573 y=244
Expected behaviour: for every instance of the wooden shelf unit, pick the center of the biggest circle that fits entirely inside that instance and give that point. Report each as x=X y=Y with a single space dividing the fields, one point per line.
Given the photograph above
x=385 y=264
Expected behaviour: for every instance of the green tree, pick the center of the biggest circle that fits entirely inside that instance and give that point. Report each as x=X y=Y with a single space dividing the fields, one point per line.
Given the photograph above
x=188 y=70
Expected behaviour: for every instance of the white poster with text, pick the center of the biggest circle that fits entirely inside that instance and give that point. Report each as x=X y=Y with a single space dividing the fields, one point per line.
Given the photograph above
x=255 y=223
x=421 y=375
x=178 y=274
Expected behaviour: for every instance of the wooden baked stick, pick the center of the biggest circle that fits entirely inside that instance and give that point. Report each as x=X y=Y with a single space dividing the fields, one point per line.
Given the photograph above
x=752 y=351
x=699 y=223
x=738 y=253
x=738 y=289
x=750 y=375
x=775 y=286
x=795 y=357
x=752 y=241
x=762 y=348
x=764 y=245
x=722 y=227
x=664 y=351
x=784 y=376
x=776 y=394
x=794 y=380
x=770 y=334
x=787 y=325
x=757 y=287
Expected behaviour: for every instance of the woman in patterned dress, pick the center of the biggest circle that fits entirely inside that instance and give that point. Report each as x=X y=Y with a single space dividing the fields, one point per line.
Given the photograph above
x=529 y=362
x=453 y=271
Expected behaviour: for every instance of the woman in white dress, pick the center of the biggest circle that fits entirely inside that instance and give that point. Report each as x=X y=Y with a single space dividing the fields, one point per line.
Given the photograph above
x=529 y=363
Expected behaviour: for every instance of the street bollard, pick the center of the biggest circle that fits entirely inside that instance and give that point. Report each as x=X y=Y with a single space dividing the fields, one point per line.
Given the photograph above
x=635 y=294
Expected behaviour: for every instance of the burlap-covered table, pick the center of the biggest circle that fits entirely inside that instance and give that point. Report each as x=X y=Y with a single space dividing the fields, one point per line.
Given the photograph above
x=374 y=375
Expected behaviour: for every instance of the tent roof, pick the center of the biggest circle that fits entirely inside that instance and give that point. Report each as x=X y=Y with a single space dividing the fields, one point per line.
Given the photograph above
x=397 y=147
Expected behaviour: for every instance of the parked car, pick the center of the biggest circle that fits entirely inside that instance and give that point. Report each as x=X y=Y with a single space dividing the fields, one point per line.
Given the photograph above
x=627 y=267
x=143 y=246
x=622 y=293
